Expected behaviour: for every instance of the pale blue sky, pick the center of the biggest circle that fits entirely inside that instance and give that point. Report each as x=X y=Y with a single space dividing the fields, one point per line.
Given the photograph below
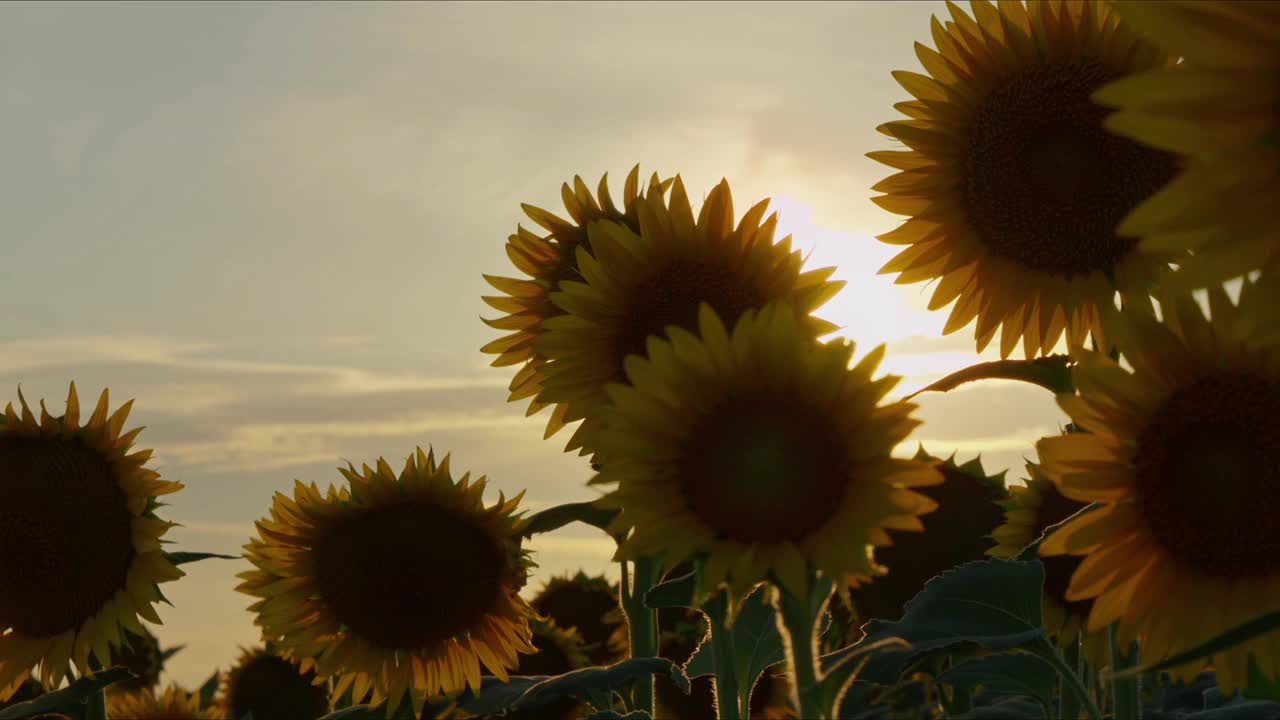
x=267 y=223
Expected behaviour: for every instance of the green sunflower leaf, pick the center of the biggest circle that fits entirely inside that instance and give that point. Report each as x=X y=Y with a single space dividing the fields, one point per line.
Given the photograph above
x=1246 y=710
x=209 y=689
x=181 y=558
x=1015 y=708
x=757 y=644
x=1006 y=674
x=1260 y=687
x=71 y=698
x=676 y=592
x=1051 y=372
x=992 y=604
x=613 y=715
x=1238 y=635
x=557 y=517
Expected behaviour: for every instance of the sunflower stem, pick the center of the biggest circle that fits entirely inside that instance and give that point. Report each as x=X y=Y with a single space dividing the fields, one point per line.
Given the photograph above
x=1050 y=654
x=642 y=622
x=728 y=701
x=1124 y=691
x=1070 y=704
x=798 y=622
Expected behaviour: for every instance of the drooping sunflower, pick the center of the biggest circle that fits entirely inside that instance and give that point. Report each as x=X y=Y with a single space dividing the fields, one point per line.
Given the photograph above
x=955 y=533
x=80 y=555
x=637 y=285
x=549 y=261
x=173 y=704
x=1180 y=456
x=1218 y=110
x=271 y=686
x=1029 y=510
x=350 y=582
x=1013 y=188
x=761 y=451
x=589 y=605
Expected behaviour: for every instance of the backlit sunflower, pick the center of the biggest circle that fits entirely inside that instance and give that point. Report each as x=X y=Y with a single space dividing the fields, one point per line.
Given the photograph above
x=637 y=285
x=955 y=533
x=271 y=686
x=1013 y=188
x=172 y=704
x=353 y=578
x=549 y=261
x=589 y=605
x=1028 y=511
x=1180 y=455
x=761 y=451
x=80 y=555
x=1217 y=109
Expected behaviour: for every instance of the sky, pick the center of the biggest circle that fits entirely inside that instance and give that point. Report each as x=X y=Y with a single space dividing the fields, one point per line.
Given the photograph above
x=267 y=224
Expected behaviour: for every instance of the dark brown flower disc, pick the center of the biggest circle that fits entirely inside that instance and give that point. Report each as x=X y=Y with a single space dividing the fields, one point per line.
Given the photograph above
x=673 y=296
x=1043 y=183
x=408 y=575
x=65 y=533
x=764 y=468
x=1208 y=475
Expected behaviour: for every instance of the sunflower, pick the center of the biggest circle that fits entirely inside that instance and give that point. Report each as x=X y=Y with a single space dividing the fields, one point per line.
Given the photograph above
x=761 y=451
x=589 y=605
x=172 y=704
x=1013 y=188
x=350 y=582
x=549 y=261
x=638 y=285
x=1217 y=109
x=80 y=555
x=956 y=533
x=271 y=686
x=1180 y=458
x=1028 y=511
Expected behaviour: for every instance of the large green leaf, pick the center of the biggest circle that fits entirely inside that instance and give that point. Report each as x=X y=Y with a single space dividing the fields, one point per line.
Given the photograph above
x=554 y=518
x=1052 y=372
x=1015 y=708
x=68 y=698
x=614 y=715
x=676 y=592
x=1232 y=637
x=182 y=558
x=594 y=684
x=1247 y=710
x=757 y=643
x=993 y=604
x=1006 y=674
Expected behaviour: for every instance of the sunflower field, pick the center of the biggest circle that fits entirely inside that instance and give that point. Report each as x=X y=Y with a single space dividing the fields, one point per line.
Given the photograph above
x=1093 y=182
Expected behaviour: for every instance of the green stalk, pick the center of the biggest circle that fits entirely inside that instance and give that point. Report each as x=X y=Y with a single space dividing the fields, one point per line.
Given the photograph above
x=1069 y=703
x=1125 y=691
x=642 y=622
x=1049 y=653
x=798 y=623
x=727 y=690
